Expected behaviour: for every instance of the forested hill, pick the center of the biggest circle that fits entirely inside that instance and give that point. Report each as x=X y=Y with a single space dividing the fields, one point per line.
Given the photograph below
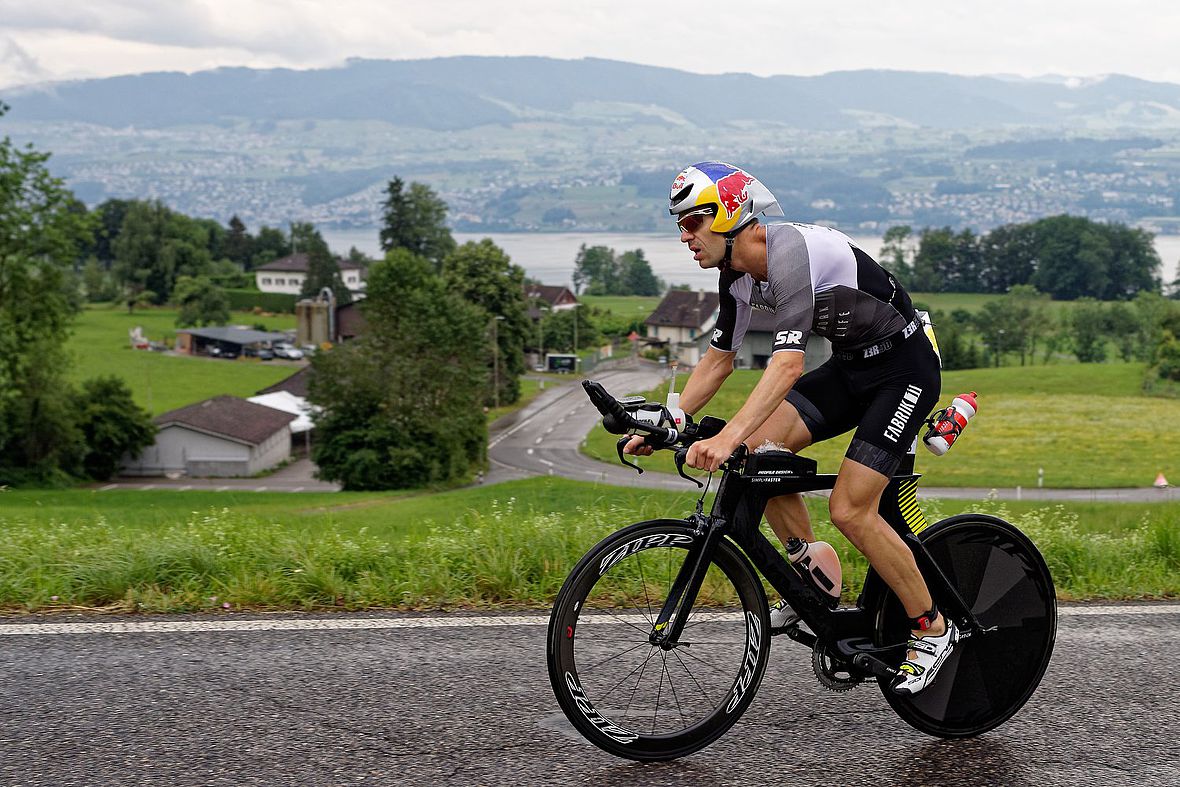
x=464 y=92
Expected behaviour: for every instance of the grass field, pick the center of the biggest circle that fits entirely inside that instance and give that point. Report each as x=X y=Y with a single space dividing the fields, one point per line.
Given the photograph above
x=159 y=382
x=504 y=545
x=1084 y=424
x=623 y=305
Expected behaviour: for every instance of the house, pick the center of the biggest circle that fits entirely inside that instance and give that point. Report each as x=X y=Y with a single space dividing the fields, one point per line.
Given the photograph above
x=290 y=395
x=287 y=274
x=226 y=341
x=219 y=437
x=683 y=322
x=546 y=297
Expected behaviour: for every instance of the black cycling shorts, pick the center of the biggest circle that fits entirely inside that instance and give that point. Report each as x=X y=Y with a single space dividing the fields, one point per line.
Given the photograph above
x=886 y=399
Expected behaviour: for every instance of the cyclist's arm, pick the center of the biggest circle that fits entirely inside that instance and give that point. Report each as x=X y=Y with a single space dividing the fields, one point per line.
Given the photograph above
x=780 y=376
x=706 y=379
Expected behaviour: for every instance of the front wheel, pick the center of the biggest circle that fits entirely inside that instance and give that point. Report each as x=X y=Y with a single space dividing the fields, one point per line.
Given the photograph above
x=1003 y=580
x=643 y=701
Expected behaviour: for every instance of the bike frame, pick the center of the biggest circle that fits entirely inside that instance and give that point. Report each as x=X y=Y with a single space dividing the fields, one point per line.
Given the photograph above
x=847 y=632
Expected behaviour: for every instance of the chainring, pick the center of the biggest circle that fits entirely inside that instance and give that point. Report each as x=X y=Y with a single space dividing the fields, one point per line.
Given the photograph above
x=834 y=675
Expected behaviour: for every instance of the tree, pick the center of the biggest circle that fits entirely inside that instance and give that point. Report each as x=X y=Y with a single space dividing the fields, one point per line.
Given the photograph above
x=111 y=424
x=898 y=249
x=1026 y=318
x=201 y=302
x=270 y=245
x=415 y=220
x=238 y=246
x=403 y=404
x=1088 y=322
x=40 y=237
x=98 y=283
x=636 y=276
x=483 y=274
x=595 y=270
x=156 y=245
x=323 y=270
x=1009 y=257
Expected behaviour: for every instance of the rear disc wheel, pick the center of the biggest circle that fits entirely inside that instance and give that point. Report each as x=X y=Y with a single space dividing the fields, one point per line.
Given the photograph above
x=1003 y=580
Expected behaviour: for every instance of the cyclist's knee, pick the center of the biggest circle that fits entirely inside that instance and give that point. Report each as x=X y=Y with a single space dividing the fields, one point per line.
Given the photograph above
x=849 y=515
x=784 y=427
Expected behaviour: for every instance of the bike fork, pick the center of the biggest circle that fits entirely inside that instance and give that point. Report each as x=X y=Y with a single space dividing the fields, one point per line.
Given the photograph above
x=665 y=632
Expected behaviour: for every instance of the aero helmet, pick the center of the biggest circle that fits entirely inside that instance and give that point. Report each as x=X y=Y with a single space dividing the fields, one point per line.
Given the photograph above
x=736 y=195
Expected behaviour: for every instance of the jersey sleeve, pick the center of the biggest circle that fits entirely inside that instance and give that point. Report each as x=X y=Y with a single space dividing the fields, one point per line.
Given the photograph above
x=733 y=311
x=793 y=292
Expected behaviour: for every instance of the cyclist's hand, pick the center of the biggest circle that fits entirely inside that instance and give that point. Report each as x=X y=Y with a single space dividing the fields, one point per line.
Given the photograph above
x=637 y=447
x=709 y=454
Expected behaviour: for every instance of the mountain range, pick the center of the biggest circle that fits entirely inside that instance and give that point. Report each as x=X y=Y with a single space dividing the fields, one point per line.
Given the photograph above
x=458 y=93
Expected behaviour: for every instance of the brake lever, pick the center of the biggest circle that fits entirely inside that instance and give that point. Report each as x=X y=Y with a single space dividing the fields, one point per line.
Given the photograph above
x=619 y=447
x=681 y=457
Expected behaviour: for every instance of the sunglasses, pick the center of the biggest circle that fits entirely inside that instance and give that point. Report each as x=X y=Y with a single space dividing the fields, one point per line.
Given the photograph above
x=693 y=220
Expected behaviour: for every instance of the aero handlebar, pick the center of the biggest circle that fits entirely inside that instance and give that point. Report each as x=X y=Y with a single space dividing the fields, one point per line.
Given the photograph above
x=636 y=416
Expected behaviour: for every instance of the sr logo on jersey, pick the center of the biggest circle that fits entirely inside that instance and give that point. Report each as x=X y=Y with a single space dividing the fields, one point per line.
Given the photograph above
x=788 y=337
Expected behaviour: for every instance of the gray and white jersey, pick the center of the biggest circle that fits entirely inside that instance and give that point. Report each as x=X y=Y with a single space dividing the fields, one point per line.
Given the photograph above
x=817 y=279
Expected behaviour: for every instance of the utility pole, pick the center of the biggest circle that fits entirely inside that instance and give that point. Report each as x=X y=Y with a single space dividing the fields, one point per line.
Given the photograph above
x=496 y=360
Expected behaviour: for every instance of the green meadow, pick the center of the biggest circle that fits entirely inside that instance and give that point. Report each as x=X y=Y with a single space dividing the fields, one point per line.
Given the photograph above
x=100 y=345
x=506 y=545
x=1084 y=425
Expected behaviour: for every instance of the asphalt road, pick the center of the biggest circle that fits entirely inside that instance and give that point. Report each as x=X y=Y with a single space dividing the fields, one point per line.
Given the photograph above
x=431 y=701
x=544 y=439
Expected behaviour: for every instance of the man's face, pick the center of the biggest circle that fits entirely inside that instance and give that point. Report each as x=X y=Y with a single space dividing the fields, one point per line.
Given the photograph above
x=708 y=247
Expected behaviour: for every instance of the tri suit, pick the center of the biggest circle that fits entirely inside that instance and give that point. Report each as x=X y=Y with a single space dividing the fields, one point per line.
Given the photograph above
x=883 y=377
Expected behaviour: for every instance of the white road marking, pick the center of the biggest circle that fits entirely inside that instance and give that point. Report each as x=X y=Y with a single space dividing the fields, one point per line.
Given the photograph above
x=260 y=489
x=538 y=441
x=108 y=487
x=186 y=488
x=529 y=452
x=297 y=489
x=449 y=621
x=148 y=486
x=546 y=462
x=221 y=488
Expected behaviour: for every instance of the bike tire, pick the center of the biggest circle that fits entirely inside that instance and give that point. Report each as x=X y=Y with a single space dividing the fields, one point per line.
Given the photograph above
x=1003 y=579
x=608 y=678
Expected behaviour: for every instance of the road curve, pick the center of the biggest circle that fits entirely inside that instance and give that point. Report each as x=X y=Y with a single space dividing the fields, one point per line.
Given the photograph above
x=545 y=438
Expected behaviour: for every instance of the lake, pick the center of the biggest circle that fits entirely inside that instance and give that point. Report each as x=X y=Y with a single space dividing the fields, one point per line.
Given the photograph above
x=549 y=256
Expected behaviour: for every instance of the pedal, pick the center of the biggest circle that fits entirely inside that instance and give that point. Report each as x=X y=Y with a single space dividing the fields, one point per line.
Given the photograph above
x=874 y=666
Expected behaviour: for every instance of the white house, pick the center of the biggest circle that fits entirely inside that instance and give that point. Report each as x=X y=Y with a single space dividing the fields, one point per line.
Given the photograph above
x=287 y=275
x=222 y=436
x=684 y=321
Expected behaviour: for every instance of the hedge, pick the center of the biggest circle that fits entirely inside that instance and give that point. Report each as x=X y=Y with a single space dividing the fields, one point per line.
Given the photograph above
x=246 y=300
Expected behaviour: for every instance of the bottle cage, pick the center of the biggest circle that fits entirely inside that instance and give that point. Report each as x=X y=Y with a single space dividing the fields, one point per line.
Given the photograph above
x=937 y=419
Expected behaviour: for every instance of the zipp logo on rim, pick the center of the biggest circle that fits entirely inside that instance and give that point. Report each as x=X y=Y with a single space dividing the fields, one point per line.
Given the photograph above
x=604 y=725
x=640 y=544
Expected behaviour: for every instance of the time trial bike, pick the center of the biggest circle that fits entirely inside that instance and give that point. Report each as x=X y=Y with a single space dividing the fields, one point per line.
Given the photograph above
x=660 y=636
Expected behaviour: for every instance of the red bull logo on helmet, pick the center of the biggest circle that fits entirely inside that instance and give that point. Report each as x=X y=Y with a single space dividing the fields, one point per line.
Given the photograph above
x=731 y=191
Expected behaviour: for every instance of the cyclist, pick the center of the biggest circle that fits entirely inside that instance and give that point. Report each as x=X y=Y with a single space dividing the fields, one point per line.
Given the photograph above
x=882 y=379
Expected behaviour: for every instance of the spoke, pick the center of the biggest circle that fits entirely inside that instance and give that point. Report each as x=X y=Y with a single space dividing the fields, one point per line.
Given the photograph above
x=675 y=696
x=693 y=678
x=635 y=688
x=643 y=581
x=699 y=660
x=592 y=667
x=625 y=622
x=659 y=693
x=642 y=666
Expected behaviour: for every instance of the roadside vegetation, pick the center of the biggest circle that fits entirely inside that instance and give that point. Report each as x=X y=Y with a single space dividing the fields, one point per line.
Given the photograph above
x=1085 y=425
x=509 y=545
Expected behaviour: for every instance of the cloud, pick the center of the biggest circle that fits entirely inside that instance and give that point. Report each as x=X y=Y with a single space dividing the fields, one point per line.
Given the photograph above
x=17 y=65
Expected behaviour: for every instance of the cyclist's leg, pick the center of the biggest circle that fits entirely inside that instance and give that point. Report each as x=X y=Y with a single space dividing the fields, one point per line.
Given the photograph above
x=900 y=390
x=786 y=514
x=819 y=406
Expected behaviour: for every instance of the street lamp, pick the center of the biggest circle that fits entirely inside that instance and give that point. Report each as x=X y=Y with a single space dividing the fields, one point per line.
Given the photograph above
x=575 y=308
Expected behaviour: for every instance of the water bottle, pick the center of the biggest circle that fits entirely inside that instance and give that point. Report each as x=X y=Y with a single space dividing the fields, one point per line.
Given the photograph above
x=949 y=424
x=818 y=563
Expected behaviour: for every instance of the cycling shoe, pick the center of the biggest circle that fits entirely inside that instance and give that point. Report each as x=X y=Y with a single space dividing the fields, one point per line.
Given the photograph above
x=782 y=615
x=925 y=657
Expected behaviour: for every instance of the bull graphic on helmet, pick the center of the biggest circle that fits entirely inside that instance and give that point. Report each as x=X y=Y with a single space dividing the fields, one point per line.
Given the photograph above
x=736 y=196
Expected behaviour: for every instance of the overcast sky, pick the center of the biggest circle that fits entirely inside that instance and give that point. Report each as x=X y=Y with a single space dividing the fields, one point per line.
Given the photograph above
x=66 y=39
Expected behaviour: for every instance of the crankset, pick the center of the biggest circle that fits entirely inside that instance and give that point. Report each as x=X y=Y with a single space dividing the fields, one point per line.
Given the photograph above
x=834 y=674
